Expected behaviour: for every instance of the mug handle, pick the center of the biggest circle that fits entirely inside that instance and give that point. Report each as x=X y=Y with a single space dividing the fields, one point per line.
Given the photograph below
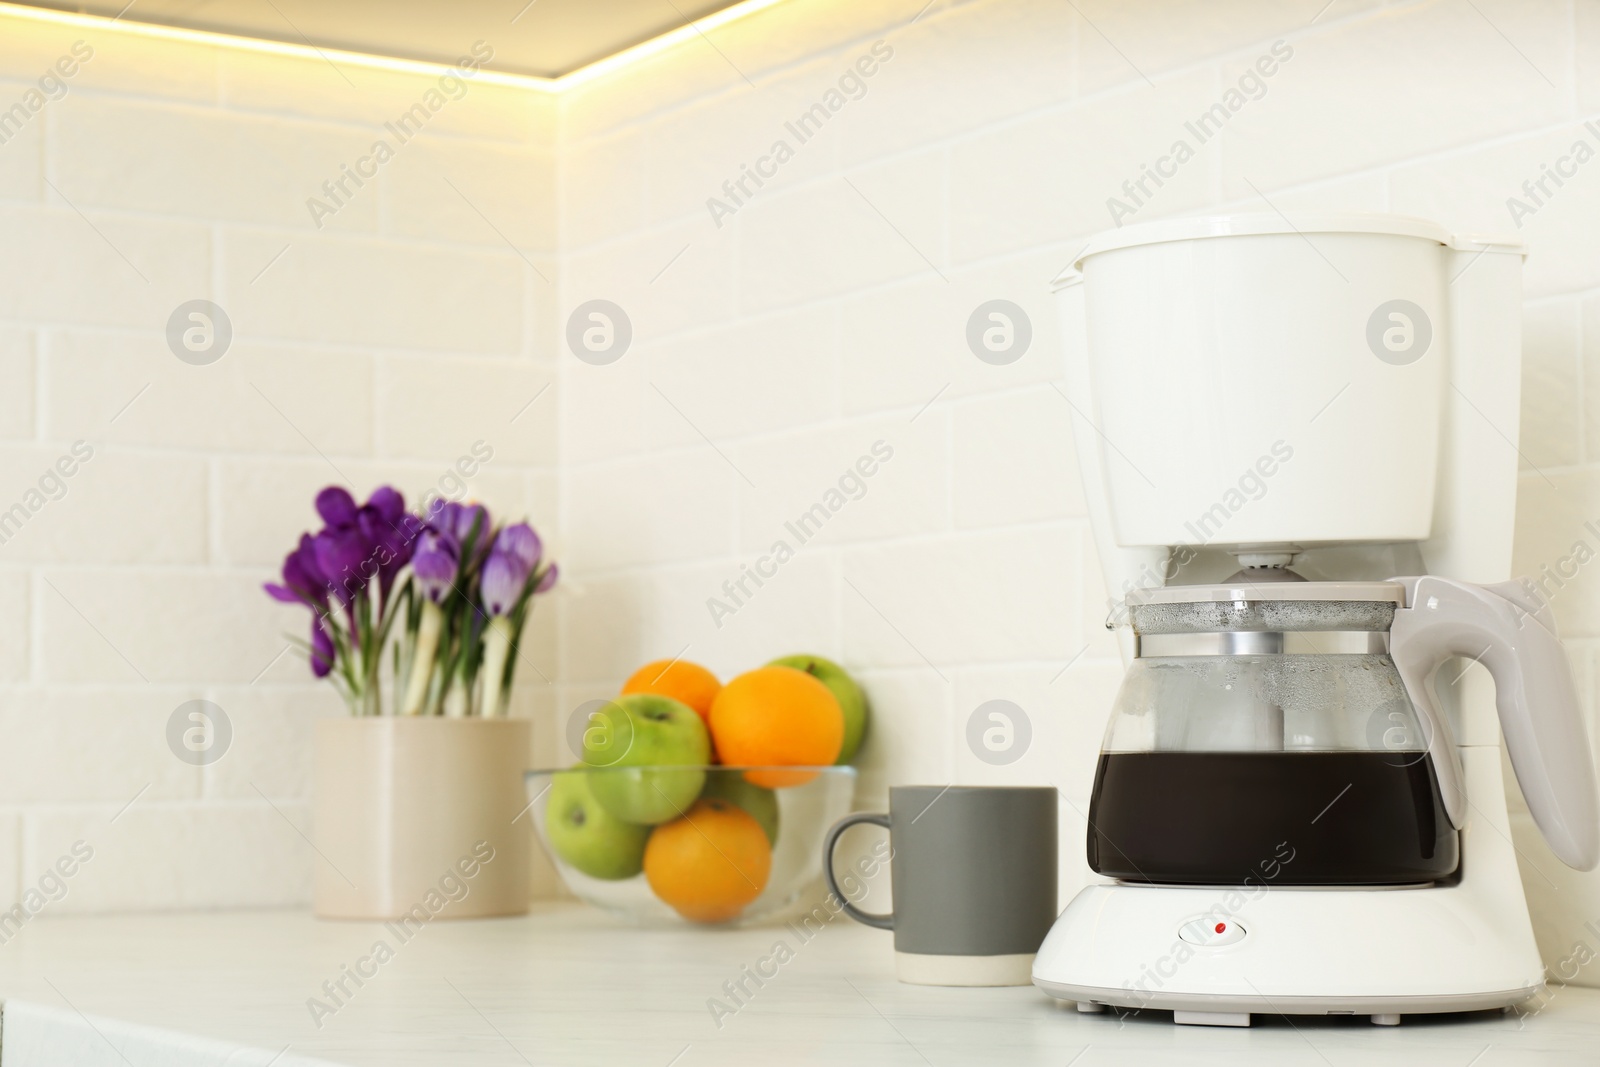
x=882 y=922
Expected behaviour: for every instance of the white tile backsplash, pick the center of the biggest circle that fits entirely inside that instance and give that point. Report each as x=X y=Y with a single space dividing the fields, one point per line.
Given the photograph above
x=1491 y=188
x=905 y=346
x=16 y=625
x=311 y=87
x=871 y=479
x=149 y=624
x=794 y=384
x=982 y=155
x=252 y=400
x=667 y=279
x=79 y=744
x=364 y=291
x=991 y=597
x=445 y=189
x=94 y=504
x=603 y=189
x=1027 y=49
x=1050 y=176
x=22 y=163
x=377 y=347
x=210 y=164
x=684 y=169
x=839 y=235
x=272 y=728
x=17 y=369
x=910 y=739
x=98 y=269
x=1385 y=89
x=1013 y=459
x=164 y=856
x=1061 y=711
x=433 y=406
x=120 y=64
x=660 y=508
x=1552 y=401
x=828 y=311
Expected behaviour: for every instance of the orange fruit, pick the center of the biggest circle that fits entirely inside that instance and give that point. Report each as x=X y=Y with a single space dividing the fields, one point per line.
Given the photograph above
x=688 y=683
x=709 y=864
x=777 y=716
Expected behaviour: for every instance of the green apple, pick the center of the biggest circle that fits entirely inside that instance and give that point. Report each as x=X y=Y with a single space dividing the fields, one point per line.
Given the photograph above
x=852 y=701
x=759 y=803
x=637 y=745
x=586 y=835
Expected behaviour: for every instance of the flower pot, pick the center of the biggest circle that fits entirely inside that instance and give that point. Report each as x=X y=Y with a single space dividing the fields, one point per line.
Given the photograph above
x=416 y=813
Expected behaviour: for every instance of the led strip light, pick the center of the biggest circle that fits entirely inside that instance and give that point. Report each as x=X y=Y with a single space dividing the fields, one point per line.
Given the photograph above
x=598 y=69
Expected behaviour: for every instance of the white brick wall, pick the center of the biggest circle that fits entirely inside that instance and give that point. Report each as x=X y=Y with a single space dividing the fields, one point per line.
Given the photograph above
x=827 y=313
x=830 y=310
x=378 y=348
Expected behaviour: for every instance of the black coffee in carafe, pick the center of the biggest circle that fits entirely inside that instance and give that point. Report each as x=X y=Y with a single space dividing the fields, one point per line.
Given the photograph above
x=1279 y=818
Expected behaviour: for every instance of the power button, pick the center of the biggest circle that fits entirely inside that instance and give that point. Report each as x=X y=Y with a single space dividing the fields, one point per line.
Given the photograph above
x=1212 y=931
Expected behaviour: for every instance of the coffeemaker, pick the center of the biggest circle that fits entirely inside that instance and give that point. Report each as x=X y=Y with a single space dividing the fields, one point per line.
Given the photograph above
x=1297 y=443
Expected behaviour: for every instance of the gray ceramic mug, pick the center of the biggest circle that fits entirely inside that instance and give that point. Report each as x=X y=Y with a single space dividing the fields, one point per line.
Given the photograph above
x=974 y=873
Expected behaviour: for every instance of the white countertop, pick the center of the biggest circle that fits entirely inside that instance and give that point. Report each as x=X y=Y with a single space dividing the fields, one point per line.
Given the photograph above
x=566 y=985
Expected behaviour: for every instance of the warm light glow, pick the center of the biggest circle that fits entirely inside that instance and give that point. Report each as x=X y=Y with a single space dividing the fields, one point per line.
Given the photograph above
x=628 y=56
x=600 y=68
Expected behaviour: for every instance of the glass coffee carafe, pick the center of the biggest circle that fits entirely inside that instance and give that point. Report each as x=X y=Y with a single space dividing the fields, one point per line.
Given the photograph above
x=1268 y=741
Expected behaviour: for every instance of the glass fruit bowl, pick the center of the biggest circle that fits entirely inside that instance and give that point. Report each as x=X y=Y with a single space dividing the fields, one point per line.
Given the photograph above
x=703 y=844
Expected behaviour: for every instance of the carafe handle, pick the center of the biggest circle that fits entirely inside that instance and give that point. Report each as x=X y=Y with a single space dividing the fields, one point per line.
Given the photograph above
x=1512 y=633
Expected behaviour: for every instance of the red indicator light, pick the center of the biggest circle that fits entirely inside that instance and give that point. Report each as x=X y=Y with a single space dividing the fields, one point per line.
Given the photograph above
x=1221 y=927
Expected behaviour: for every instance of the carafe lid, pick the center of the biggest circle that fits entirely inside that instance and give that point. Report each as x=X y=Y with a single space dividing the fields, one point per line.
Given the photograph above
x=1388 y=592
x=1265 y=606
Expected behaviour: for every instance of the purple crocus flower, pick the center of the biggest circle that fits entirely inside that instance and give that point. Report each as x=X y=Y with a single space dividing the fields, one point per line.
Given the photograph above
x=456 y=522
x=303 y=581
x=375 y=530
x=521 y=542
x=547 y=580
x=359 y=542
x=321 y=648
x=337 y=507
x=408 y=532
x=342 y=555
x=390 y=541
x=469 y=515
x=434 y=515
x=389 y=503
x=404 y=528
x=501 y=582
x=444 y=518
x=434 y=564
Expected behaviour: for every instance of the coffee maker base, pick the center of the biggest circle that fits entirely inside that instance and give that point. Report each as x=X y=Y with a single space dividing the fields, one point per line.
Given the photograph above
x=1213 y=1010
x=1382 y=951
x=1215 y=956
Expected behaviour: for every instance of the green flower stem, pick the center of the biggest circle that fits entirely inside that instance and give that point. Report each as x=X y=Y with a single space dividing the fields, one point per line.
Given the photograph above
x=496 y=650
x=456 y=702
x=422 y=660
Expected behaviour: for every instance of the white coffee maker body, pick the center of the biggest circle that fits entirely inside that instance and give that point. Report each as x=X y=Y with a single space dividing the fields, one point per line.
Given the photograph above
x=1342 y=394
